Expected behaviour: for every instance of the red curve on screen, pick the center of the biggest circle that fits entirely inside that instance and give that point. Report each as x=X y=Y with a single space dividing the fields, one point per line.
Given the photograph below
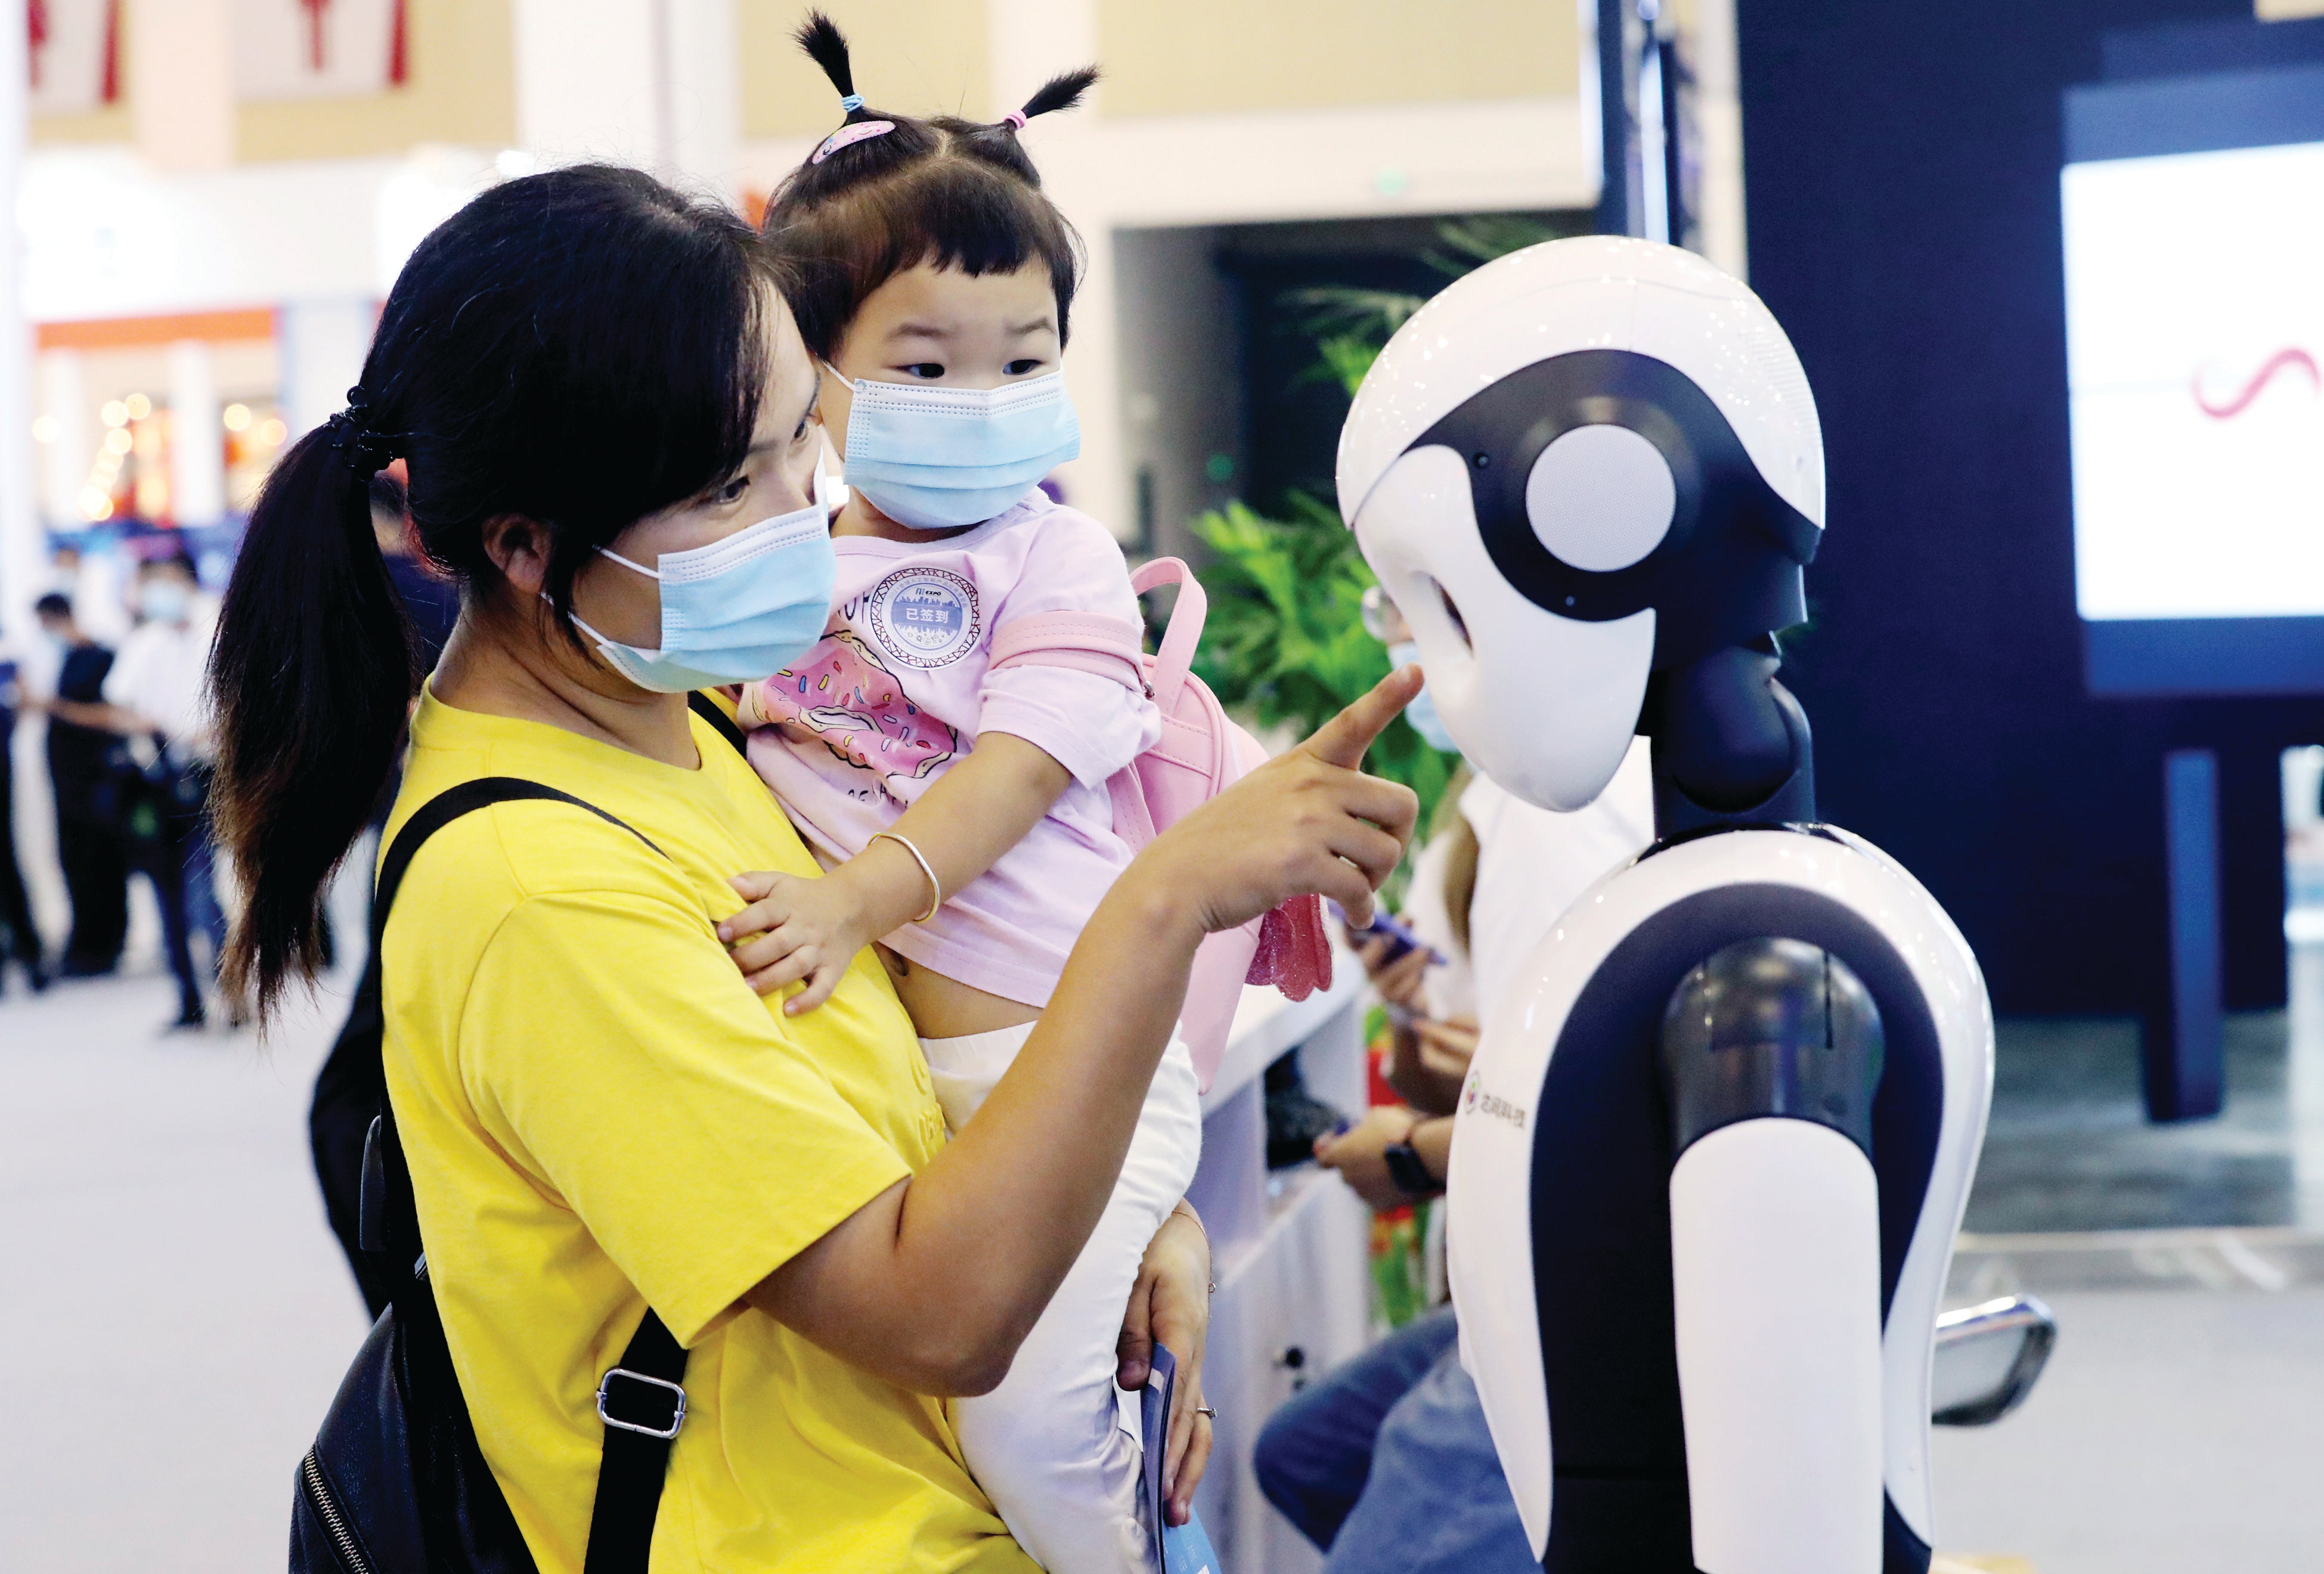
x=2260 y=380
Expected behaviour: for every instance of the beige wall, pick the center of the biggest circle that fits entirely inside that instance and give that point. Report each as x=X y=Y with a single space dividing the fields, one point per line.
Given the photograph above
x=1190 y=56
x=460 y=91
x=1162 y=57
x=108 y=125
x=916 y=57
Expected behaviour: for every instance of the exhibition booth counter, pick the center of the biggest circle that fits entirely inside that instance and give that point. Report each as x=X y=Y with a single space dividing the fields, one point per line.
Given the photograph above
x=1288 y=1252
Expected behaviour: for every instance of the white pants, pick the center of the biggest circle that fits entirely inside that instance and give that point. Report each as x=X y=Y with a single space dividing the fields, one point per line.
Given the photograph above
x=1055 y=1446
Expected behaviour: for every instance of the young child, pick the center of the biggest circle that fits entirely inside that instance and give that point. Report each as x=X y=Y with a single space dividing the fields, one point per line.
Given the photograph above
x=961 y=807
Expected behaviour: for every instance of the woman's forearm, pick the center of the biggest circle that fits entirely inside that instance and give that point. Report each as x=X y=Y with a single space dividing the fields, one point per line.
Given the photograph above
x=971 y=1250
x=934 y=1282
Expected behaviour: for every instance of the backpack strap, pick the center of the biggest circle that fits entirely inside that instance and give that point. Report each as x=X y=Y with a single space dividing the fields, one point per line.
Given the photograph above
x=1103 y=646
x=724 y=725
x=1175 y=656
x=642 y=1403
x=1087 y=642
x=641 y=1400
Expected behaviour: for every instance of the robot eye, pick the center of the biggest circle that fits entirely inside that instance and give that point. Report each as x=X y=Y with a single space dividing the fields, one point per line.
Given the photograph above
x=1600 y=497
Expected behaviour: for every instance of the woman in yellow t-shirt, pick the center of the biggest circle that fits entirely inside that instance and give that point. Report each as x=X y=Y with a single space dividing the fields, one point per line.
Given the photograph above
x=585 y=374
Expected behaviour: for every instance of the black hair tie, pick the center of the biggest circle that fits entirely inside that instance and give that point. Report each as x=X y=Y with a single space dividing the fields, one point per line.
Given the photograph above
x=366 y=449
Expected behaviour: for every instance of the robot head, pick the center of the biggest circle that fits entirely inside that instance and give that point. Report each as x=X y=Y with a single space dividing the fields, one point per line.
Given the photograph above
x=1584 y=462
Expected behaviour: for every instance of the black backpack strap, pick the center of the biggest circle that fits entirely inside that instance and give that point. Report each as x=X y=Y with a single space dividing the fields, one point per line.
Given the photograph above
x=703 y=705
x=441 y=811
x=644 y=1405
x=641 y=1400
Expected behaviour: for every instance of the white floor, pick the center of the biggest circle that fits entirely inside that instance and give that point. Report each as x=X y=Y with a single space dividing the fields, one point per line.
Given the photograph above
x=174 y=1317
x=175 y=1312
x=2176 y=1431
x=177 y=1317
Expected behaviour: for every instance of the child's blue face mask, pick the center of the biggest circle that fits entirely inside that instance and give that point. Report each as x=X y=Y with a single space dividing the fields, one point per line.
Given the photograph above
x=738 y=610
x=939 y=459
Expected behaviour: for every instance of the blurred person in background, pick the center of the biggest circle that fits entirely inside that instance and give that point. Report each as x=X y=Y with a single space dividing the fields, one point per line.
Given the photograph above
x=91 y=579
x=20 y=938
x=430 y=600
x=89 y=850
x=161 y=767
x=1387 y=1463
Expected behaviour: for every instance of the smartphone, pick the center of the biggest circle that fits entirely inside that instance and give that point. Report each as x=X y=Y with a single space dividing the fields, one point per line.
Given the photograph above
x=1402 y=941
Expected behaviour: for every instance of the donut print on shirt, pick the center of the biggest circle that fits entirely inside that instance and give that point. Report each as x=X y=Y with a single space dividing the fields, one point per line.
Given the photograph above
x=843 y=694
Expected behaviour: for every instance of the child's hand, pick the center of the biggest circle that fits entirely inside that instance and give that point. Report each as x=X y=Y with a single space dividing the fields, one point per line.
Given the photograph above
x=795 y=929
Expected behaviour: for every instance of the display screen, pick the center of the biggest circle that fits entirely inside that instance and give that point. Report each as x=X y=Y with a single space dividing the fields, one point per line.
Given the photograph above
x=2195 y=324
x=2195 y=373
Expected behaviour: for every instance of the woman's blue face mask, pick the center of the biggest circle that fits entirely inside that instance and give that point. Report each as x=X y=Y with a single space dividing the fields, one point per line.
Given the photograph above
x=738 y=610
x=934 y=458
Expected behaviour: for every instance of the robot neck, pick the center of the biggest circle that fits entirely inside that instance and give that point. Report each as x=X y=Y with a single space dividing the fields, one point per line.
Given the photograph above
x=1730 y=745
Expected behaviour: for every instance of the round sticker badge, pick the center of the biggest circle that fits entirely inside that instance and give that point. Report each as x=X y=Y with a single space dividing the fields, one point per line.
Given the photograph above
x=926 y=617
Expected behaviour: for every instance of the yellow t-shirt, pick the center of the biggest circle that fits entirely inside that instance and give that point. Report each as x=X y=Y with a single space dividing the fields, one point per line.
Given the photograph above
x=599 y=1114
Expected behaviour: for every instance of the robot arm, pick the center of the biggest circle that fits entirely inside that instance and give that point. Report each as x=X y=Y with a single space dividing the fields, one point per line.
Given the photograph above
x=1771 y=1056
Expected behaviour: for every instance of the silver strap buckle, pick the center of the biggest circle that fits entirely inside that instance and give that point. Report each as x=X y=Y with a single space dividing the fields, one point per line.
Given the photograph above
x=610 y=1419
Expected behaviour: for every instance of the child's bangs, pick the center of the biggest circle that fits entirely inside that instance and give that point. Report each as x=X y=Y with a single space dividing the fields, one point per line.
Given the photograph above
x=949 y=213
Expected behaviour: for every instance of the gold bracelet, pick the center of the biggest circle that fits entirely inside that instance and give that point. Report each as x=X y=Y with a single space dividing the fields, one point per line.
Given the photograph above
x=934 y=885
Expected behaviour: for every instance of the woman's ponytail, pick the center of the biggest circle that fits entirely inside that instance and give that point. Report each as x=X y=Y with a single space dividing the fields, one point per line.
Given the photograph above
x=515 y=374
x=311 y=676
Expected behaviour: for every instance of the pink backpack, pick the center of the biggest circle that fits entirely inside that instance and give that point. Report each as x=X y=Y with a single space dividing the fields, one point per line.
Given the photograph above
x=1200 y=753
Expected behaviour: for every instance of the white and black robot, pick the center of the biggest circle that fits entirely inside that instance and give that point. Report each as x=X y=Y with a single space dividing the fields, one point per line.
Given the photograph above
x=1712 y=1153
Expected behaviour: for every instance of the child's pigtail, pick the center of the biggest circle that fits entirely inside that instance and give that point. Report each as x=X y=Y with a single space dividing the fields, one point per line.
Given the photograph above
x=886 y=192
x=826 y=46
x=1062 y=91
x=997 y=144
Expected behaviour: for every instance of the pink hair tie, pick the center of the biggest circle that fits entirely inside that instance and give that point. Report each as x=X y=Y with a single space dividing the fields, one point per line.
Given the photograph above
x=847 y=136
x=1015 y=118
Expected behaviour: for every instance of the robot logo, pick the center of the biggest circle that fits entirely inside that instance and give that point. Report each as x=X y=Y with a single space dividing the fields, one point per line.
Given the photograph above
x=1475 y=1101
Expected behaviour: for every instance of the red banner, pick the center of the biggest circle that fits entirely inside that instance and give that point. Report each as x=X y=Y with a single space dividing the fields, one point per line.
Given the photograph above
x=318 y=48
x=75 y=55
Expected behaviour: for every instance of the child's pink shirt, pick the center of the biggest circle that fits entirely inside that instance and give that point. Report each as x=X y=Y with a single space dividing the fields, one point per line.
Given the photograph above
x=898 y=690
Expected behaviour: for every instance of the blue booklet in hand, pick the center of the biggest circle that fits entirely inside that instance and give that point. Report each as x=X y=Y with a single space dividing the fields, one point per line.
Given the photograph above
x=1181 y=1549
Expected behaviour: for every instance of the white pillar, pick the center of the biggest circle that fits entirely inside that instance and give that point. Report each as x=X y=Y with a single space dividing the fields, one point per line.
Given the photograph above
x=704 y=92
x=1029 y=41
x=180 y=87
x=66 y=459
x=21 y=559
x=322 y=345
x=196 y=436
x=1719 y=112
x=584 y=85
x=655 y=83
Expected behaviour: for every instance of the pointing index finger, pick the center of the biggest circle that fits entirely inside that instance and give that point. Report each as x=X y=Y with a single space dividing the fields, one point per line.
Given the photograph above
x=1342 y=740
